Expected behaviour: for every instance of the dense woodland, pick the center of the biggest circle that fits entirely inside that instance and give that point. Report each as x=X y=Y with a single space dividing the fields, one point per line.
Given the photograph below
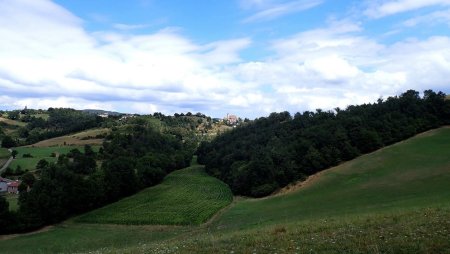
x=131 y=159
x=274 y=151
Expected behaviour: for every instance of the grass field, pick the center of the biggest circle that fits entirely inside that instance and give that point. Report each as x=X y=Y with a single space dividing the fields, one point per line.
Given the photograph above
x=395 y=200
x=13 y=201
x=414 y=173
x=39 y=153
x=87 y=137
x=185 y=197
x=4 y=153
x=12 y=122
x=43 y=116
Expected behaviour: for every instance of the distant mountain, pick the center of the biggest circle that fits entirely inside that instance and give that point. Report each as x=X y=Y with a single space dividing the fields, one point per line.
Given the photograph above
x=99 y=111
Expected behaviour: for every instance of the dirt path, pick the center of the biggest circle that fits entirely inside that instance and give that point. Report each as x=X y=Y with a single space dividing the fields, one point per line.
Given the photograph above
x=219 y=213
x=44 y=229
x=7 y=163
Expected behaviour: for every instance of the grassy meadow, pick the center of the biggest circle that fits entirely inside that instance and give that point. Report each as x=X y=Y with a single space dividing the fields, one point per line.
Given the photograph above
x=43 y=116
x=13 y=200
x=39 y=153
x=4 y=153
x=395 y=200
x=88 y=137
x=185 y=197
x=413 y=173
x=12 y=122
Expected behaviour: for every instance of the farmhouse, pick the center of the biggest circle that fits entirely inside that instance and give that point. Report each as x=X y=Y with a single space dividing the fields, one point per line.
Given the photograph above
x=13 y=187
x=231 y=119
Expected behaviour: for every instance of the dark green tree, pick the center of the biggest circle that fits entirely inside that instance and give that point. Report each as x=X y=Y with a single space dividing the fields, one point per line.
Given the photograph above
x=8 y=142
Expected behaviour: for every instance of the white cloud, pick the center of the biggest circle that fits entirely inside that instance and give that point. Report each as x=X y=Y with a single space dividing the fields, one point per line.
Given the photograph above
x=270 y=10
x=52 y=56
x=44 y=103
x=335 y=66
x=379 y=9
x=50 y=60
x=433 y=18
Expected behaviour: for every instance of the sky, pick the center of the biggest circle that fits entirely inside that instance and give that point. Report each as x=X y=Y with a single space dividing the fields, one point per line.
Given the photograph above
x=243 y=57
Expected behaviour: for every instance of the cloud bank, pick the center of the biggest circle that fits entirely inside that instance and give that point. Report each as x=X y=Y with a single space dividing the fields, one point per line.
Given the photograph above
x=47 y=59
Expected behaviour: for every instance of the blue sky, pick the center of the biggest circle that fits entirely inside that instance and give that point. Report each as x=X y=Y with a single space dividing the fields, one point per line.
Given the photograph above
x=247 y=57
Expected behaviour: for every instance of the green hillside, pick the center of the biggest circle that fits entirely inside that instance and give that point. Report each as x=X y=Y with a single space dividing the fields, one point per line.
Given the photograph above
x=187 y=196
x=12 y=122
x=395 y=200
x=39 y=153
x=414 y=173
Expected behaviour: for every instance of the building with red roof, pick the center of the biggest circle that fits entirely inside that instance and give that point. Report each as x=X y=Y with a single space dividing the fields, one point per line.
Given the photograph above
x=13 y=187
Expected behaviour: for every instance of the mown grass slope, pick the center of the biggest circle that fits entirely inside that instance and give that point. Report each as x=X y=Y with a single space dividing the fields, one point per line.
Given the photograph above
x=413 y=173
x=39 y=153
x=396 y=200
x=185 y=197
x=87 y=137
x=12 y=122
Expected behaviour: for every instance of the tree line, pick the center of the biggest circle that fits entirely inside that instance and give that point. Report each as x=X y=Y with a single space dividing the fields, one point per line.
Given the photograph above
x=61 y=121
x=131 y=158
x=273 y=151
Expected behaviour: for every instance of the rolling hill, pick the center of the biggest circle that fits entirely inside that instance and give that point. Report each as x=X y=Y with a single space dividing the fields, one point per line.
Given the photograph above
x=185 y=197
x=87 y=137
x=394 y=200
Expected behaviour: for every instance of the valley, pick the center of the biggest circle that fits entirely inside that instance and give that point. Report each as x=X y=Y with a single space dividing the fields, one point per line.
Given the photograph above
x=394 y=200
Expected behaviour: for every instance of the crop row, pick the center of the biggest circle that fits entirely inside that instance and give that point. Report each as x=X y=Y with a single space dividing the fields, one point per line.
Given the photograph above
x=186 y=197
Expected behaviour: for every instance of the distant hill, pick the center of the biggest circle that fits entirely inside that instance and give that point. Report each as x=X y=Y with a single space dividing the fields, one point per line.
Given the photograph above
x=99 y=111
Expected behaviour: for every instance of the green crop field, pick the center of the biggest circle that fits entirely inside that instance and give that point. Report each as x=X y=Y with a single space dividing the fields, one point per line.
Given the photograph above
x=185 y=197
x=395 y=200
x=39 y=153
